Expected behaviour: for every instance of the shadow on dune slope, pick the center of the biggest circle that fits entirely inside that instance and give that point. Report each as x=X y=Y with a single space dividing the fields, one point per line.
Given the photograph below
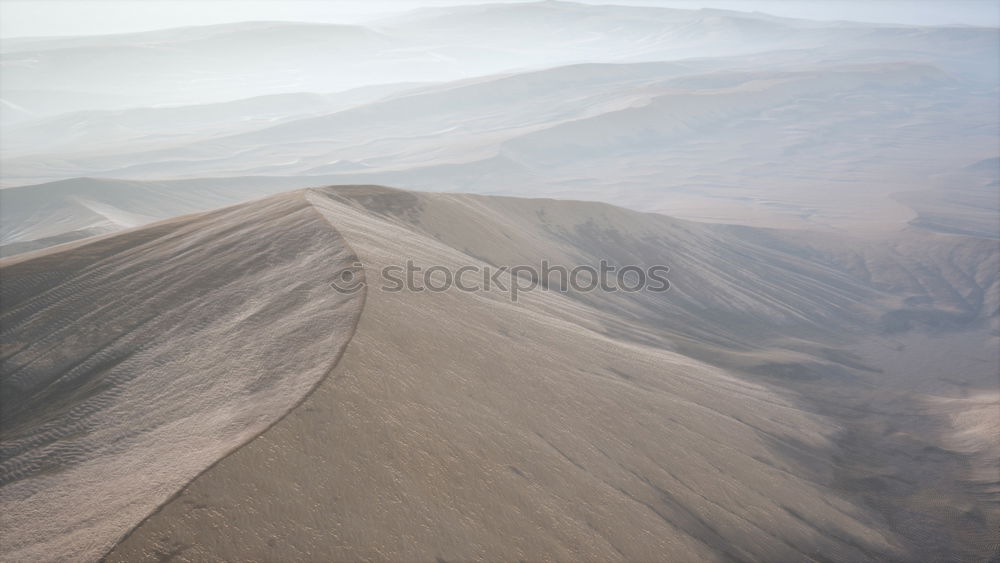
x=759 y=410
x=133 y=362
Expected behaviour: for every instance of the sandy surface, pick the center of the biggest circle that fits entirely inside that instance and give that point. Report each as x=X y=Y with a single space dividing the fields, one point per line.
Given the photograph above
x=132 y=363
x=460 y=426
x=790 y=398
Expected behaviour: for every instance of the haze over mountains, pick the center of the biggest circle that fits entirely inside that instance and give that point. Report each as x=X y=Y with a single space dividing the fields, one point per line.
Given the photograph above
x=909 y=111
x=223 y=62
x=181 y=380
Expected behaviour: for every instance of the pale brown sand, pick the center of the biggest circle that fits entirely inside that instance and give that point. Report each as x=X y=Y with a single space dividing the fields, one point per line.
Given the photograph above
x=572 y=427
x=133 y=362
x=460 y=426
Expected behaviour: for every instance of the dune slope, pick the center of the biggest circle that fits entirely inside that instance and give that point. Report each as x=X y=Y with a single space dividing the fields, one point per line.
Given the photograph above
x=793 y=396
x=460 y=426
x=133 y=362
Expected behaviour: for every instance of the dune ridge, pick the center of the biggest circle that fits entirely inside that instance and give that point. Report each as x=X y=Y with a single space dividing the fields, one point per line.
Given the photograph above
x=177 y=343
x=599 y=427
x=515 y=446
x=730 y=418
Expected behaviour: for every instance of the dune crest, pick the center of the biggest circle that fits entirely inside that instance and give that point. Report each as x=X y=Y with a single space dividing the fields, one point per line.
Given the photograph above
x=133 y=362
x=728 y=418
x=461 y=426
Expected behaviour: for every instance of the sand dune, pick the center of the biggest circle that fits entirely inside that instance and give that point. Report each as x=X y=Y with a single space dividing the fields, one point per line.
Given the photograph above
x=749 y=412
x=718 y=420
x=511 y=431
x=133 y=362
x=182 y=380
x=82 y=207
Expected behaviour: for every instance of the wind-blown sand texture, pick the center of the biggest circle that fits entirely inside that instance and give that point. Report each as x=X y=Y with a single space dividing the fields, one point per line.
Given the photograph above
x=133 y=362
x=783 y=401
x=534 y=430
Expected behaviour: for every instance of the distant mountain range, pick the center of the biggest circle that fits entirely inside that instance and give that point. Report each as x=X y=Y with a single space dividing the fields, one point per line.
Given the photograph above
x=224 y=62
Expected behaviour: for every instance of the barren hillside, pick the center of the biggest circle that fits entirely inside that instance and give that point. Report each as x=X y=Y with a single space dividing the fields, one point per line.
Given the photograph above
x=733 y=416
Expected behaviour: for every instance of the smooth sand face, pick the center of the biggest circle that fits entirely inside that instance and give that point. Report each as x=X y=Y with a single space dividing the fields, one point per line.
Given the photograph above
x=133 y=362
x=460 y=426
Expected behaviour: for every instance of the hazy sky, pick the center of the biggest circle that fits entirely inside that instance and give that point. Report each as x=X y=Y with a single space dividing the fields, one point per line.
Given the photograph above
x=76 y=17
